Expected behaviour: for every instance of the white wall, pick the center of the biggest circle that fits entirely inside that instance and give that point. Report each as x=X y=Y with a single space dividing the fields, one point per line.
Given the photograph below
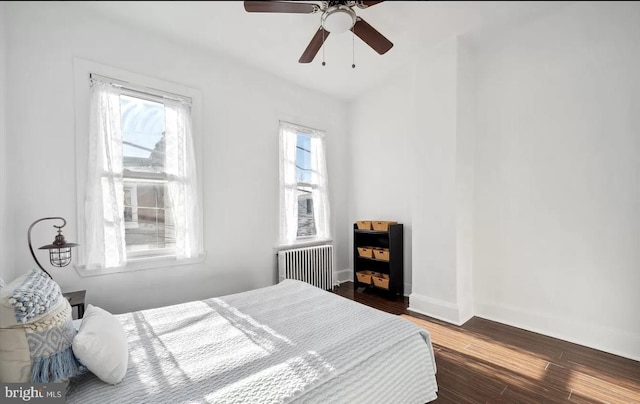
x=433 y=193
x=520 y=158
x=4 y=213
x=412 y=161
x=466 y=111
x=241 y=109
x=557 y=230
x=381 y=123
x=442 y=195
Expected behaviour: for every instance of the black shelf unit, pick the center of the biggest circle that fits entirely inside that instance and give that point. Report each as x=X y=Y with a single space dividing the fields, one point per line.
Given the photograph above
x=391 y=239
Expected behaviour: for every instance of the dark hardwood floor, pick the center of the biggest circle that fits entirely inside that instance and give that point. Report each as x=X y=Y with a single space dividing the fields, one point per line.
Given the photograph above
x=488 y=362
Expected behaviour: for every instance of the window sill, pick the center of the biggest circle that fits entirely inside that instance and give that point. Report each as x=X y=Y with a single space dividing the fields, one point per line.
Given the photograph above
x=303 y=243
x=140 y=264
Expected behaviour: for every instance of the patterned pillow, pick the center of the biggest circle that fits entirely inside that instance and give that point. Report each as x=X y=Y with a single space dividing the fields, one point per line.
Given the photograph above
x=36 y=330
x=34 y=296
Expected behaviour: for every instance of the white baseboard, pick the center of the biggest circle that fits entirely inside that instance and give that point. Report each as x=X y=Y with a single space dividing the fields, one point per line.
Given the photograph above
x=435 y=308
x=342 y=276
x=615 y=341
x=407 y=289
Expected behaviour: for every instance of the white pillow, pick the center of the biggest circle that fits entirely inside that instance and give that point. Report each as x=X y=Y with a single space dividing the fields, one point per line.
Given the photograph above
x=101 y=345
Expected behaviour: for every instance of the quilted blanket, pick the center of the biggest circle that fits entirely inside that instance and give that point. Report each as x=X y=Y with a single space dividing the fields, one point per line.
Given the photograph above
x=290 y=342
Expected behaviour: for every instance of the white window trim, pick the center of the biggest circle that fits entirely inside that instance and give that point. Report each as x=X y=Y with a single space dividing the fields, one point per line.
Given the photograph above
x=141 y=264
x=82 y=68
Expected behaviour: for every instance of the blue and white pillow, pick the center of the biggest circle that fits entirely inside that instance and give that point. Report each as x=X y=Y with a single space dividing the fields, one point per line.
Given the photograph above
x=34 y=296
x=43 y=323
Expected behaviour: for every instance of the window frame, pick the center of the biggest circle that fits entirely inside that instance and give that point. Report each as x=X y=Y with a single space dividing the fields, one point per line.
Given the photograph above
x=82 y=70
x=302 y=184
x=302 y=241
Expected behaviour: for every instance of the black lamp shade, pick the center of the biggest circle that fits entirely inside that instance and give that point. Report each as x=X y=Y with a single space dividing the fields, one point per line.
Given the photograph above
x=59 y=255
x=59 y=250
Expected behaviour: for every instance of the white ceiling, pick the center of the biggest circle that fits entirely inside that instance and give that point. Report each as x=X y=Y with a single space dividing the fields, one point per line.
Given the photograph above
x=274 y=42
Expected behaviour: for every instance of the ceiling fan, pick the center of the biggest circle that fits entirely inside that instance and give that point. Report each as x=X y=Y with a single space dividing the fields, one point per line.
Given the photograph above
x=337 y=17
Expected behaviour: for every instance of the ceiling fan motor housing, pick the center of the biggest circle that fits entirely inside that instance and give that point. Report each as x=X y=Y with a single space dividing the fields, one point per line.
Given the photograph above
x=338 y=18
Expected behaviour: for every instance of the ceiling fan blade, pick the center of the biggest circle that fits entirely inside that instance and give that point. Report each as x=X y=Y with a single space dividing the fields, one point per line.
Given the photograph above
x=371 y=36
x=368 y=3
x=280 y=7
x=314 y=46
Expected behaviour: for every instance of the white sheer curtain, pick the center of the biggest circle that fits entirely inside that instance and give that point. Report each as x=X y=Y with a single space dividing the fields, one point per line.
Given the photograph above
x=104 y=203
x=105 y=245
x=182 y=180
x=320 y=194
x=288 y=184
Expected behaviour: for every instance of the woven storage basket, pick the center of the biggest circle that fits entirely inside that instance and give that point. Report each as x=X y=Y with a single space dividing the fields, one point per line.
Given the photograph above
x=381 y=225
x=365 y=277
x=381 y=280
x=366 y=252
x=381 y=254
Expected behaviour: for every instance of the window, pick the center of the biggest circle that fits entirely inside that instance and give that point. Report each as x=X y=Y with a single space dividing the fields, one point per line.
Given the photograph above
x=142 y=197
x=304 y=201
x=149 y=229
x=305 y=187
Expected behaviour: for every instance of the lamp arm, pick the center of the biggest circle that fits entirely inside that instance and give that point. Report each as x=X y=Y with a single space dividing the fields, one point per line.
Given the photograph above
x=64 y=223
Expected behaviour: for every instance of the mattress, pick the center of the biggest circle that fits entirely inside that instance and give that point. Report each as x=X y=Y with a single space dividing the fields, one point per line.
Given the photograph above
x=290 y=342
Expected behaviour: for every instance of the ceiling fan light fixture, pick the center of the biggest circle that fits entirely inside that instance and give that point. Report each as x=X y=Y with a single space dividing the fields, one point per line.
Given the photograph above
x=338 y=19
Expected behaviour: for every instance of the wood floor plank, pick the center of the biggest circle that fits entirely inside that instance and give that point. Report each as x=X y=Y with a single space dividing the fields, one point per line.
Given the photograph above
x=514 y=361
x=597 y=389
x=540 y=345
x=473 y=383
x=442 y=334
x=487 y=362
x=526 y=396
x=604 y=366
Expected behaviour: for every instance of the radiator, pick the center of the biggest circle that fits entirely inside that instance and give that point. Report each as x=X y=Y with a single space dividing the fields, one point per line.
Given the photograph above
x=313 y=265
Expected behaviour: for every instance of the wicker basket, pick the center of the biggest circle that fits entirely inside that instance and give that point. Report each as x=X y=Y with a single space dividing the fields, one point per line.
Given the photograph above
x=365 y=276
x=381 y=280
x=381 y=254
x=381 y=225
x=366 y=252
x=364 y=224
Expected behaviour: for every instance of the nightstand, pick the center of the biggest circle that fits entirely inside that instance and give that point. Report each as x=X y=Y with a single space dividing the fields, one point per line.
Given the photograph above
x=76 y=299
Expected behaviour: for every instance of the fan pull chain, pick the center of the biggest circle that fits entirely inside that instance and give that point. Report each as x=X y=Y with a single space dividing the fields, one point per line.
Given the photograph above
x=353 y=48
x=323 y=63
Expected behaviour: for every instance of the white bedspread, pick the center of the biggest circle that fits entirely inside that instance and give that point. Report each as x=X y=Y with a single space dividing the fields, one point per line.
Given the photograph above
x=291 y=342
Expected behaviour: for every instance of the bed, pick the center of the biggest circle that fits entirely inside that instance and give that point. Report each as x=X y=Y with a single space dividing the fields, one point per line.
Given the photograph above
x=290 y=342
